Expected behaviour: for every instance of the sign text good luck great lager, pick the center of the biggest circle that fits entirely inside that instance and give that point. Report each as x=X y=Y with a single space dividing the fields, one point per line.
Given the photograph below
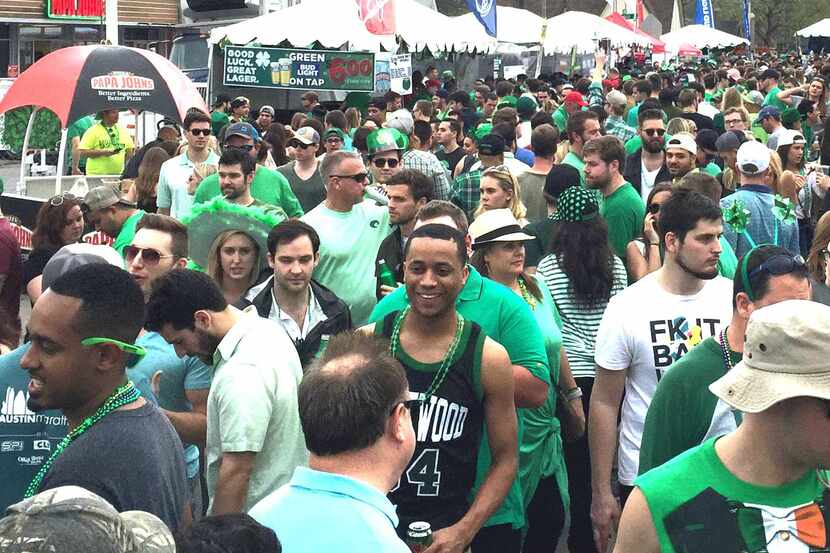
x=298 y=69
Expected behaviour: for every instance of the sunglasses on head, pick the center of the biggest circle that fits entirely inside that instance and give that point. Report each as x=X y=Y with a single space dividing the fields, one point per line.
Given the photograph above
x=652 y=132
x=778 y=264
x=148 y=255
x=382 y=162
x=136 y=352
x=200 y=132
x=57 y=201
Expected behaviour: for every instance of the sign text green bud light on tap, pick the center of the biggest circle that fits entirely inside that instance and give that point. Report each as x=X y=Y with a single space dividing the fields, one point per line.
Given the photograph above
x=298 y=69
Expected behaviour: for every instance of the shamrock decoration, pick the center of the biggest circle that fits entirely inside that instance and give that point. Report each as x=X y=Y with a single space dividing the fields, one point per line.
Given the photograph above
x=736 y=216
x=263 y=59
x=783 y=209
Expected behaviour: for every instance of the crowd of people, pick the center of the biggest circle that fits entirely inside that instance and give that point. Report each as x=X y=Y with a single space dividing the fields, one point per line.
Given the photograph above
x=450 y=320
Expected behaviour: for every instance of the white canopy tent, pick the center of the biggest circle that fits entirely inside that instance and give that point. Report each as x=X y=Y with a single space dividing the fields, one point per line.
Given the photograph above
x=302 y=25
x=819 y=29
x=700 y=36
x=583 y=30
x=514 y=25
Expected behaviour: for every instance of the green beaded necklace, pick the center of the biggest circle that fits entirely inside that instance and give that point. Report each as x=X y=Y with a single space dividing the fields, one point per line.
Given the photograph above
x=122 y=395
x=526 y=295
x=441 y=374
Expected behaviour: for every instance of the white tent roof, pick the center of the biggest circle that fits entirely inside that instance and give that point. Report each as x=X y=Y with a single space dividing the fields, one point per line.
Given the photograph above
x=821 y=28
x=700 y=36
x=513 y=25
x=581 y=30
x=301 y=25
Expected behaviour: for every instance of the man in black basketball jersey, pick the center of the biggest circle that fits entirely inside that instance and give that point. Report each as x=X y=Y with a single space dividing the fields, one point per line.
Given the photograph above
x=463 y=379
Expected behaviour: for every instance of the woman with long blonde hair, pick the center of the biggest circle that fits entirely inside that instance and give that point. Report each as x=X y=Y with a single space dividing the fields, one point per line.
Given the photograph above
x=500 y=190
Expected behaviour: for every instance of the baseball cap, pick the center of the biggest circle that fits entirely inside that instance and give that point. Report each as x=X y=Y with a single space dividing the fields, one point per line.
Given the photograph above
x=267 y=109
x=242 y=129
x=560 y=178
x=706 y=139
x=616 y=98
x=71 y=519
x=733 y=74
x=73 y=256
x=526 y=107
x=334 y=131
x=790 y=116
x=386 y=140
x=576 y=204
x=786 y=355
x=496 y=225
x=769 y=74
x=402 y=121
x=576 y=98
x=104 y=196
x=769 y=111
x=306 y=135
x=481 y=131
x=753 y=158
x=684 y=141
x=730 y=140
x=239 y=101
x=789 y=137
x=491 y=145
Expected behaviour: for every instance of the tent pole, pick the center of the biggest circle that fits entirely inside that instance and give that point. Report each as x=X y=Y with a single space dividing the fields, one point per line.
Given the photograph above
x=61 y=161
x=21 y=184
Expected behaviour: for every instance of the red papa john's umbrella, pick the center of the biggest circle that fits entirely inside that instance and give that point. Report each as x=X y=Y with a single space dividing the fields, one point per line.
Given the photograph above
x=79 y=80
x=657 y=46
x=687 y=50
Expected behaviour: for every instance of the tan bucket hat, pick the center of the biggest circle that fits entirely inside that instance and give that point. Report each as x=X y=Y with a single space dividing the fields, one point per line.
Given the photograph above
x=786 y=355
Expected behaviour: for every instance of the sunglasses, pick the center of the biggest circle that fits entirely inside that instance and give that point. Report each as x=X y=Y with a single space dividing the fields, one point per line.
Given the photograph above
x=57 y=201
x=242 y=147
x=296 y=144
x=382 y=162
x=136 y=352
x=409 y=404
x=652 y=132
x=148 y=255
x=357 y=177
x=780 y=264
x=200 y=132
x=654 y=209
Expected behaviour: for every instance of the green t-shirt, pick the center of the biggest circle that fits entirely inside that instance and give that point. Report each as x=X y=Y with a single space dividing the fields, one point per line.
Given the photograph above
x=624 y=212
x=560 y=118
x=698 y=506
x=78 y=128
x=127 y=232
x=540 y=453
x=771 y=99
x=505 y=318
x=577 y=163
x=268 y=186
x=728 y=261
x=349 y=243
x=632 y=115
x=712 y=169
x=97 y=137
x=683 y=412
x=218 y=120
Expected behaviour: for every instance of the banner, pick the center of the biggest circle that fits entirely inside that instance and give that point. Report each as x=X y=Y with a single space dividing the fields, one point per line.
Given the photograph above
x=485 y=11
x=704 y=14
x=400 y=73
x=747 y=29
x=640 y=14
x=298 y=69
x=378 y=16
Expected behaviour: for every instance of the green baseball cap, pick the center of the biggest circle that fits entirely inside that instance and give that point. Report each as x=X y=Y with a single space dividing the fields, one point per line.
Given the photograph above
x=386 y=140
x=576 y=204
x=481 y=131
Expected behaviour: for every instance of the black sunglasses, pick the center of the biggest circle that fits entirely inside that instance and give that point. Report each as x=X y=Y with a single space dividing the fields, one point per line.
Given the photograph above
x=297 y=144
x=57 y=201
x=654 y=209
x=357 y=177
x=409 y=404
x=652 y=132
x=200 y=132
x=780 y=264
x=381 y=162
x=243 y=147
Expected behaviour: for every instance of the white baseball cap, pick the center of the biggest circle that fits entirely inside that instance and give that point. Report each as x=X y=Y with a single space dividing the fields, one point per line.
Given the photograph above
x=789 y=137
x=684 y=141
x=753 y=158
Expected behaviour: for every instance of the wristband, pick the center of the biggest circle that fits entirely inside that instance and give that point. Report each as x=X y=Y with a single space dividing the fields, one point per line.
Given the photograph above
x=572 y=394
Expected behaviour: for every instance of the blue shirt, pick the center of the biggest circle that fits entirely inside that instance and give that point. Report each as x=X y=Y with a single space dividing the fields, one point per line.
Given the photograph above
x=319 y=512
x=177 y=376
x=758 y=200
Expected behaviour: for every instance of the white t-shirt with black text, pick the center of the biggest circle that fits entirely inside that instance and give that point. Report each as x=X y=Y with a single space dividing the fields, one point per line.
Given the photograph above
x=645 y=329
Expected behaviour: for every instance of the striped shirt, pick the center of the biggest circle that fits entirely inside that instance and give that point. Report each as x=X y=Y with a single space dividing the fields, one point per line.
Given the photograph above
x=579 y=323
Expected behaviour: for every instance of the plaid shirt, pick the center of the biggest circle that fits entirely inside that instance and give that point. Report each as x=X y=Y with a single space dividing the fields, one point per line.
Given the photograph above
x=465 y=192
x=615 y=126
x=428 y=164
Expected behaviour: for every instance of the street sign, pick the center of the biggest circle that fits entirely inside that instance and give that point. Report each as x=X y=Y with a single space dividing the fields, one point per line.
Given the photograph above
x=298 y=69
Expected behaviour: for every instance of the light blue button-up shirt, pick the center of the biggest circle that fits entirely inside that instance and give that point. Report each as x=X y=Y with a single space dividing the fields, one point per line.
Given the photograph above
x=324 y=512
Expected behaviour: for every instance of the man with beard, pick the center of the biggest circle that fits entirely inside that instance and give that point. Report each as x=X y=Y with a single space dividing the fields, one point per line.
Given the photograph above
x=644 y=329
x=408 y=191
x=449 y=362
x=119 y=446
x=647 y=166
x=236 y=172
x=254 y=440
x=681 y=155
x=622 y=208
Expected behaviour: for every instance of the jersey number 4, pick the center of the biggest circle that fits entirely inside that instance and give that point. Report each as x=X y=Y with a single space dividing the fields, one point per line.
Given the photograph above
x=424 y=473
